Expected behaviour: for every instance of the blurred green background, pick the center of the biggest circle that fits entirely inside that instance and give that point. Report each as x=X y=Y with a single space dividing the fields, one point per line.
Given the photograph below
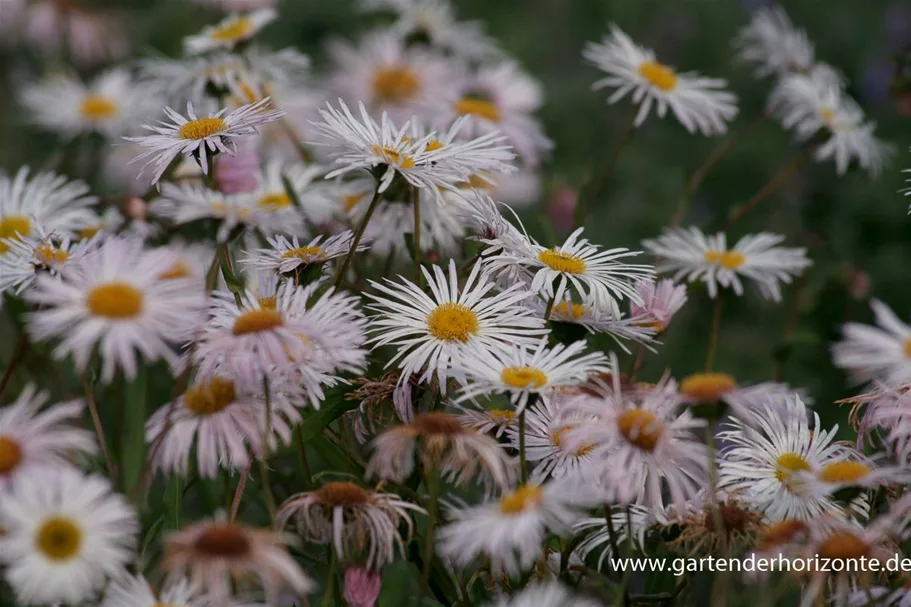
x=852 y=224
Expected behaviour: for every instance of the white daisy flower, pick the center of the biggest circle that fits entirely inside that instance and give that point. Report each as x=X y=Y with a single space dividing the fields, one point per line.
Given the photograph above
x=888 y=419
x=660 y=301
x=115 y=299
x=427 y=161
x=388 y=76
x=544 y=594
x=285 y=255
x=231 y=31
x=271 y=196
x=774 y=45
x=484 y=420
x=578 y=267
x=652 y=449
x=49 y=200
x=462 y=453
x=710 y=389
x=225 y=423
x=32 y=440
x=129 y=591
x=435 y=20
x=354 y=520
x=884 y=595
x=434 y=333
x=761 y=462
x=545 y=445
x=700 y=104
x=573 y=320
x=500 y=98
x=879 y=353
x=111 y=105
x=191 y=260
x=692 y=255
x=854 y=472
x=64 y=533
x=511 y=530
x=204 y=136
x=523 y=371
x=483 y=214
x=28 y=257
x=812 y=105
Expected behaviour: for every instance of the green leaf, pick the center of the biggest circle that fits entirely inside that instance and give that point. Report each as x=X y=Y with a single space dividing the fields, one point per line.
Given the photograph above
x=134 y=443
x=409 y=243
x=334 y=406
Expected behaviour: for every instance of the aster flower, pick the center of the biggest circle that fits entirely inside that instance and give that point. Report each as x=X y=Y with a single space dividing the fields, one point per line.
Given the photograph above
x=576 y=266
x=129 y=591
x=724 y=524
x=544 y=594
x=271 y=196
x=700 y=104
x=463 y=454
x=231 y=31
x=47 y=199
x=203 y=136
x=33 y=440
x=110 y=105
x=694 y=256
x=853 y=471
x=760 y=463
x=651 y=447
x=660 y=301
x=64 y=533
x=485 y=421
x=743 y=402
x=812 y=105
x=772 y=43
x=285 y=255
x=356 y=521
x=116 y=300
x=876 y=353
x=27 y=257
x=224 y=427
x=213 y=553
x=434 y=333
x=511 y=530
x=524 y=371
x=428 y=161
x=589 y=316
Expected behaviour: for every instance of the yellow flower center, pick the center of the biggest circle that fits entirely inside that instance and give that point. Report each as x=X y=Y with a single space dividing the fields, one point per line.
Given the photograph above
x=179 y=269
x=202 y=128
x=501 y=416
x=557 y=437
x=843 y=472
x=10 y=454
x=395 y=84
x=657 y=325
x=562 y=262
x=452 y=322
x=307 y=254
x=641 y=428
x=349 y=202
x=728 y=259
x=257 y=321
x=47 y=255
x=97 y=108
x=477 y=182
x=390 y=156
x=479 y=108
x=236 y=29
x=58 y=538
x=788 y=463
x=114 y=300
x=907 y=344
x=827 y=114
x=274 y=202
x=433 y=145
x=523 y=377
x=707 y=387
x=206 y=398
x=658 y=75
x=268 y=302
x=572 y=311
x=524 y=498
x=843 y=545
x=85 y=233
x=13 y=227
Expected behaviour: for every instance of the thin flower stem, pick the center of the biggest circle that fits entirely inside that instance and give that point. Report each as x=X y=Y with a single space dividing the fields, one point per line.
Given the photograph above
x=713 y=336
x=433 y=489
x=99 y=430
x=239 y=491
x=305 y=464
x=340 y=277
x=597 y=188
x=778 y=180
x=18 y=356
x=263 y=460
x=415 y=197
x=718 y=589
x=329 y=595
x=550 y=307
x=210 y=173
x=624 y=583
x=522 y=458
x=611 y=532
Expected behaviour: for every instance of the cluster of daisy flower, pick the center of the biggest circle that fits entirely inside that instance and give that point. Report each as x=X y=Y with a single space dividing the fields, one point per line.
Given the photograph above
x=304 y=336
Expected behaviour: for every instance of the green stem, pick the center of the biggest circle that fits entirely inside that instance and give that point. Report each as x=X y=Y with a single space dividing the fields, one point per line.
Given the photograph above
x=18 y=356
x=99 y=429
x=210 y=173
x=416 y=203
x=264 y=464
x=597 y=189
x=329 y=596
x=611 y=532
x=713 y=336
x=433 y=488
x=340 y=277
x=550 y=307
x=522 y=459
x=305 y=464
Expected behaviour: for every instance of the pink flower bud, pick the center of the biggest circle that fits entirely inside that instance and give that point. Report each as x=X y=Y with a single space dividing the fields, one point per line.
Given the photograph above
x=238 y=172
x=362 y=586
x=561 y=206
x=136 y=208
